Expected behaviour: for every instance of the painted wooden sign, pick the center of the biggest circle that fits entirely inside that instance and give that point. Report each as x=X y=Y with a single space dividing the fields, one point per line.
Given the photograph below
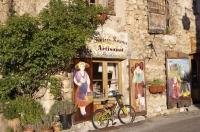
x=178 y=81
x=109 y=44
x=137 y=90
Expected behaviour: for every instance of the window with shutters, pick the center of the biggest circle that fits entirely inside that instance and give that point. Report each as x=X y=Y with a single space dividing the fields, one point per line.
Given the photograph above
x=106 y=77
x=158 y=16
x=109 y=4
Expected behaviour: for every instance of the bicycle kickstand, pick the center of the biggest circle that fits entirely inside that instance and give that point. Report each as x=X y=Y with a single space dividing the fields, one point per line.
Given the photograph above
x=113 y=122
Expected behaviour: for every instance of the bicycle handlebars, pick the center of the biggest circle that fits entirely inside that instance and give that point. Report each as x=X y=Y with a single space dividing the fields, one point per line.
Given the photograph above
x=115 y=93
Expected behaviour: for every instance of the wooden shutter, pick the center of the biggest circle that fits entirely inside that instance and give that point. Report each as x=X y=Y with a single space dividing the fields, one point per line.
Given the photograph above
x=137 y=87
x=157 y=16
x=109 y=4
x=111 y=7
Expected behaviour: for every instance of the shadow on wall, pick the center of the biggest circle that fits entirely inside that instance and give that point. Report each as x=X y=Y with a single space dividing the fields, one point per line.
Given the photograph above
x=195 y=61
x=186 y=22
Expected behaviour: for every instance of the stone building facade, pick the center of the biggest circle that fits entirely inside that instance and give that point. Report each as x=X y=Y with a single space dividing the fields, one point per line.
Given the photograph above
x=132 y=18
x=128 y=30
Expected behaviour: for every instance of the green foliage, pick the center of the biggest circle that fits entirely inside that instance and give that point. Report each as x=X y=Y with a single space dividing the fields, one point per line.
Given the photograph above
x=25 y=108
x=47 y=121
x=55 y=87
x=8 y=129
x=8 y=86
x=11 y=110
x=62 y=107
x=33 y=49
x=157 y=82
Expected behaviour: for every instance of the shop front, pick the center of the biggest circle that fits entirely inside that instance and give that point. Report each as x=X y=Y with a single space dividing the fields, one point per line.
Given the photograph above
x=109 y=48
x=107 y=69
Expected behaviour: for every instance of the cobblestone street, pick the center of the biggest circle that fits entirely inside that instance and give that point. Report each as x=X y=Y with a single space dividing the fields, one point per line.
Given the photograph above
x=181 y=122
x=144 y=124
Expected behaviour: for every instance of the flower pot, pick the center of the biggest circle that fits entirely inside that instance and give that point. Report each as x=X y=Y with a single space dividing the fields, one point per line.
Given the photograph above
x=66 y=120
x=28 y=129
x=155 y=89
x=47 y=130
x=102 y=17
x=57 y=127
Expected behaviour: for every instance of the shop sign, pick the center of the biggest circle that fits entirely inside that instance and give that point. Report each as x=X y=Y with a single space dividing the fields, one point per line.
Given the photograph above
x=109 y=44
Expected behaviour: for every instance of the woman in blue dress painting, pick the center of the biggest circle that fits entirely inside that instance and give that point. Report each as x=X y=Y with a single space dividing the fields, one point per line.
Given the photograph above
x=82 y=80
x=138 y=84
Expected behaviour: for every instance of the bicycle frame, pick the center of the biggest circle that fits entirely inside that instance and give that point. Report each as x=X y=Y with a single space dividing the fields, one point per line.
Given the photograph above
x=111 y=112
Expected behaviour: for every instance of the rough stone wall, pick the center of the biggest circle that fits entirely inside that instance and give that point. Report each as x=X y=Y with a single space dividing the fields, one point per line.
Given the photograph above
x=4 y=10
x=32 y=7
x=177 y=39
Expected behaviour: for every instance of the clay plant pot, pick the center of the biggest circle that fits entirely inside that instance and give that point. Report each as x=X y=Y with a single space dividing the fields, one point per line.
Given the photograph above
x=66 y=121
x=102 y=17
x=47 y=130
x=155 y=89
x=57 y=127
x=28 y=128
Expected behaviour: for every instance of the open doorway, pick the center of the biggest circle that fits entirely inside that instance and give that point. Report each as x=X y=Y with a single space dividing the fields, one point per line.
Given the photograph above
x=195 y=78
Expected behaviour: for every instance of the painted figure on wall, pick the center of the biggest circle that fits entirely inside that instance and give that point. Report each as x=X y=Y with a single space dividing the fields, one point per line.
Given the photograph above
x=178 y=78
x=138 y=84
x=176 y=91
x=82 y=80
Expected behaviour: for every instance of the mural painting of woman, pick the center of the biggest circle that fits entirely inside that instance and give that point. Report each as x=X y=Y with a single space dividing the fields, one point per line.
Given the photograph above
x=82 y=80
x=175 y=88
x=138 y=84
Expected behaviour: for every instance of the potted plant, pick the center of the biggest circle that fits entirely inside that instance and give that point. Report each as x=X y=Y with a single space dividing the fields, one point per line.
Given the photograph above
x=102 y=17
x=47 y=123
x=26 y=109
x=156 y=86
x=65 y=110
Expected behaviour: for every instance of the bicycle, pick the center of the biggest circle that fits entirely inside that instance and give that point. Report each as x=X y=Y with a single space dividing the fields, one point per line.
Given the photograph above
x=101 y=117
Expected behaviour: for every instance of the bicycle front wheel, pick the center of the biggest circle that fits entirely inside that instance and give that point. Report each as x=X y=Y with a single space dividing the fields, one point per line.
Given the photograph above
x=100 y=119
x=126 y=114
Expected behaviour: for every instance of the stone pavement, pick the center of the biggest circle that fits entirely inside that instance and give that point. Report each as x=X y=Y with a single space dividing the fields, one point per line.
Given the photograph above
x=87 y=126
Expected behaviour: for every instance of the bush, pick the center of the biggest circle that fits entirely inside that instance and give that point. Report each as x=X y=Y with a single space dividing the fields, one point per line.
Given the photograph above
x=62 y=107
x=24 y=108
x=55 y=87
x=33 y=49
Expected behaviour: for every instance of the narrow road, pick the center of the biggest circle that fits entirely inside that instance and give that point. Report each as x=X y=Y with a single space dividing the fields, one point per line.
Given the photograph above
x=181 y=122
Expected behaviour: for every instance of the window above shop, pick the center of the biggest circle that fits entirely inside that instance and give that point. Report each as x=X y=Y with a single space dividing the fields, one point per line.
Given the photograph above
x=156 y=6
x=158 y=16
x=109 y=4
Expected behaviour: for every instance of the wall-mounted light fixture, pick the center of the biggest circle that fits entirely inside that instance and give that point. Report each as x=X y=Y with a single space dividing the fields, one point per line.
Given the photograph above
x=151 y=46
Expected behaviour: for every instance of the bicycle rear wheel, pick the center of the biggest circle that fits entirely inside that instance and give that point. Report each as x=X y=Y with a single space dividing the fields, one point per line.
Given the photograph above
x=100 y=119
x=126 y=114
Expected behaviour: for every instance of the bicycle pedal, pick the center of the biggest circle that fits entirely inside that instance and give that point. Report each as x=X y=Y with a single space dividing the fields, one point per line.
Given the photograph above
x=114 y=123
